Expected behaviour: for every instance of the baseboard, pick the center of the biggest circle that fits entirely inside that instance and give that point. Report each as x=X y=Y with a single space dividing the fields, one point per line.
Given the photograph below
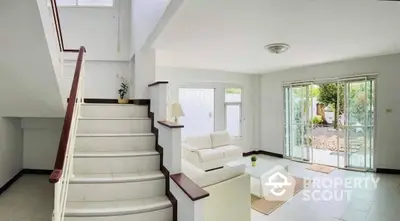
x=256 y=152
x=270 y=153
x=115 y=101
x=10 y=182
x=246 y=154
x=387 y=171
x=36 y=171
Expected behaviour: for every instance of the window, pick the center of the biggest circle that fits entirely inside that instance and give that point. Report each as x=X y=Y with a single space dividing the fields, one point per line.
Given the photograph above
x=97 y=3
x=233 y=111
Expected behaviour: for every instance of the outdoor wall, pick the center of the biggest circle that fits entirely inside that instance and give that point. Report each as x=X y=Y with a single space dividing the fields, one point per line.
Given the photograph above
x=10 y=148
x=387 y=139
x=100 y=78
x=104 y=31
x=183 y=77
x=40 y=142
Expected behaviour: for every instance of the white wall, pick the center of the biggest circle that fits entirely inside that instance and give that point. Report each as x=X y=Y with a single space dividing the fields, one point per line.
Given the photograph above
x=28 y=84
x=388 y=124
x=40 y=142
x=100 y=78
x=104 y=31
x=219 y=80
x=50 y=32
x=144 y=17
x=10 y=148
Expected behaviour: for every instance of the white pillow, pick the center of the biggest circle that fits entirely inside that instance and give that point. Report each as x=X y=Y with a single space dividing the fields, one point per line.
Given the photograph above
x=199 y=142
x=221 y=138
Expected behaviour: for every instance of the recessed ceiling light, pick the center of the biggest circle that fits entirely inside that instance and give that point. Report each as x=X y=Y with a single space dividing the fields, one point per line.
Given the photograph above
x=277 y=48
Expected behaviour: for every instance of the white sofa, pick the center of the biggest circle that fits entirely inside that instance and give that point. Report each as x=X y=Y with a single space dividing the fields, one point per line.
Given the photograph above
x=210 y=151
x=229 y=190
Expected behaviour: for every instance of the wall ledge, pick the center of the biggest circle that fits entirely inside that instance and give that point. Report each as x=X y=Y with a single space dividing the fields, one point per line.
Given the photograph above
x=192 y=190
x=170 y=124
x=157 y=83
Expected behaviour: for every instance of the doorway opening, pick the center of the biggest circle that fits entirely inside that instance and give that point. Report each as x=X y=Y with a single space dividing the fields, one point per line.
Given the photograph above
x=198 y=106
x=331 y=122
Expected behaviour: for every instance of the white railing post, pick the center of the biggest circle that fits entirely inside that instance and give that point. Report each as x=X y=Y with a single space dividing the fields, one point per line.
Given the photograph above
x=169 y=137
x=162 y=102
x=57 y=194
x=169 y=133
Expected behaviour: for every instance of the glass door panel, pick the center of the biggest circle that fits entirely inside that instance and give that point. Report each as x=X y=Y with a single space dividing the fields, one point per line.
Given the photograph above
x=198 y=106
x=299 y=122
x=359 y=123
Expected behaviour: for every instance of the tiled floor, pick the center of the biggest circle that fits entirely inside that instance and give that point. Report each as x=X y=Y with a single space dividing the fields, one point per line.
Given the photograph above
x=365 y=204
x=29 y=199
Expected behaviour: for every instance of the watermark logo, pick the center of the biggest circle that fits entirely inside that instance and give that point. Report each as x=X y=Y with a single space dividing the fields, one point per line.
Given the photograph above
x=337 y=188
x=277 y=184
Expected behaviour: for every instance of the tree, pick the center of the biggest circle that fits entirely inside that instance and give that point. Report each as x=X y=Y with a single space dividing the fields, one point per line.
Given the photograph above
x=328 y=95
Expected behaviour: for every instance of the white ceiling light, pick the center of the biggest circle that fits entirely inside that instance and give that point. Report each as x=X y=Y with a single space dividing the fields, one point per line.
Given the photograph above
x=277 y=48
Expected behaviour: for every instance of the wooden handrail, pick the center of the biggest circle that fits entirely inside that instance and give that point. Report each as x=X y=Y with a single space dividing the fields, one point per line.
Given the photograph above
x=192 y=190
x=62 y=146
x=57 y=23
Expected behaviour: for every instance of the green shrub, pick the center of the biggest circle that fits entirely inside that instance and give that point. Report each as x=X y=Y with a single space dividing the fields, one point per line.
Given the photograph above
x=317 y=119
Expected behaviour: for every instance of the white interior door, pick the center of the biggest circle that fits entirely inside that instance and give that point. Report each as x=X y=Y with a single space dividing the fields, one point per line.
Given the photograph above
x=198 y=107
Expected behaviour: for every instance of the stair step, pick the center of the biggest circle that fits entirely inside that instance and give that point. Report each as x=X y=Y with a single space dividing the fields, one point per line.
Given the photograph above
x=117 y=178
x=113 y=118
x=115 y=154
x=111 y=105
x=116 y=135
x=113 y=125
x=116 y=208
x=115 y=162
x=114 y=142
x=109 y=110
x=109 y=191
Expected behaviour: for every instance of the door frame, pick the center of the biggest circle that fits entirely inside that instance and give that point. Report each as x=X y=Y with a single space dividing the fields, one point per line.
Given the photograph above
x=309 y=149
x=372 y=150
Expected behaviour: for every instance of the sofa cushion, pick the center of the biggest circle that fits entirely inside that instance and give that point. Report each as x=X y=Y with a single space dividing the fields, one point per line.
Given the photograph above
x=220 y=138
x=199 y=142
x=210 y=154
x=230 y=151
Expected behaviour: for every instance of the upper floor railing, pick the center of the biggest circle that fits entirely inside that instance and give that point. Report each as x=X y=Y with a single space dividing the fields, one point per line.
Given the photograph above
x=57 y=25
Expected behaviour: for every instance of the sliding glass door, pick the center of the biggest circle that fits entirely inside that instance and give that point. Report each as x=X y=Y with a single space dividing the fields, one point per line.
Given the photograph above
x=331 y=122
x=297 y=122
x=359 y=123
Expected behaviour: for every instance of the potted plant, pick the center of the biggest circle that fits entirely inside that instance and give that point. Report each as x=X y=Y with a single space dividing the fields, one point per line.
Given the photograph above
x=123 y=91
x=253 y=160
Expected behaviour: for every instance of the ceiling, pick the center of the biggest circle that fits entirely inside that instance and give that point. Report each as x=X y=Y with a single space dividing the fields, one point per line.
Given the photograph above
x=230 y=35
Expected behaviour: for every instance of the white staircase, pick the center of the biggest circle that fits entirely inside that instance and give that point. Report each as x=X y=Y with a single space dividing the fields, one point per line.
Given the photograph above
x=116 y=168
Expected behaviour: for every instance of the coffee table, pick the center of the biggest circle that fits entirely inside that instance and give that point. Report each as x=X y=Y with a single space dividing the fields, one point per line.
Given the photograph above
x=257 y=173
